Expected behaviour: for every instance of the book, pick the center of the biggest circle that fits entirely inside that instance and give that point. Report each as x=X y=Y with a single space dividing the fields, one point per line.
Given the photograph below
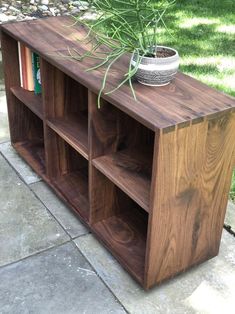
x=36 y=73
x=20 y=64
x=29 y=70
x=23 y=65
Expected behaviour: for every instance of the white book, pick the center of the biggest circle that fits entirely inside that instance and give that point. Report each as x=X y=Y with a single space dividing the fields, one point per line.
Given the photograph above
x=20 y=64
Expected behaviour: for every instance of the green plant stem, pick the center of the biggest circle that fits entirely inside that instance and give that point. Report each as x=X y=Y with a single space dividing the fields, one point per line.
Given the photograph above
x=141 y=25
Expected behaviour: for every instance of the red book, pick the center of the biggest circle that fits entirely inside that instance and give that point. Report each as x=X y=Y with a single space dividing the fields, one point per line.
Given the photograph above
x=29 y=69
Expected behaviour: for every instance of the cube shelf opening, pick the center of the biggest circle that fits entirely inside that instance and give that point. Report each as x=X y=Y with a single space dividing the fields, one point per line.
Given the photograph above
x=32 y=101
x=70 y=176
x=127 y=156
x=69 y=115
x=29 y=137
x=122 y=226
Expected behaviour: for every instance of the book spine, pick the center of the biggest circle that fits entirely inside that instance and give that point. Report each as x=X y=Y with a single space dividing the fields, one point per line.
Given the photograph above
x=20 y=64
x=36 y=73
x=23 y=63
x=29 y=69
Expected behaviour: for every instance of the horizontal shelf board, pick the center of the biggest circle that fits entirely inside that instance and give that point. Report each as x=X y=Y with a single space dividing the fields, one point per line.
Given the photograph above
x=74 y=130
x=130 y=170
x=33 y=153
x=126 y=236
x=74 y=188
x=32 y=101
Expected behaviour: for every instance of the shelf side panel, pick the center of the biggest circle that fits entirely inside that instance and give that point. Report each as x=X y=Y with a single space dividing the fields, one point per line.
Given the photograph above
x=192 y=179
x=12 y=78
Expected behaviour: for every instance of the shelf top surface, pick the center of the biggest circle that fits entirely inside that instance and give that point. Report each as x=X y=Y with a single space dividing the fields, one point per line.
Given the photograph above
x=180 y=103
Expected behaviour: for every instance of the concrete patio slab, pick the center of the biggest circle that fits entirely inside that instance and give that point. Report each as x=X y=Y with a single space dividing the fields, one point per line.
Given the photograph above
x=208 y=288
x=25 y=171
x=26 y=227
x=230 y=216
x=59 y=281
x=59 y=210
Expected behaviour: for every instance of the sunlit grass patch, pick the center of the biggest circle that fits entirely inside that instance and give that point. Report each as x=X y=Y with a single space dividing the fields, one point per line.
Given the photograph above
x=229 y=29
x=195 y=21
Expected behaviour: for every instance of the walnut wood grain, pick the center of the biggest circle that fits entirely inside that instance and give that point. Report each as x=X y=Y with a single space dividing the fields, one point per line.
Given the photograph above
x=74 y=188
x=68 y=173
x=130 y=170
x=73 y=130
x=125 y=234
x=32 y=101
x=115 y=151
x=189 y=197
x=33 y=153
x=12 y=78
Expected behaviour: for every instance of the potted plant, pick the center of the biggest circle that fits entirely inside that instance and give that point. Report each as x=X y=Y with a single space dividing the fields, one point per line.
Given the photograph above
x=130 y=26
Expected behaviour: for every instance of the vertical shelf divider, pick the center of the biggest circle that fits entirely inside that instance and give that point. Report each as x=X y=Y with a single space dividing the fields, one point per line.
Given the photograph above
x=52 y=93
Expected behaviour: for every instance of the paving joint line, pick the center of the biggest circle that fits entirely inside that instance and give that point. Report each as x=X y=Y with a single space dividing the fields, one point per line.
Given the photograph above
x=41 y=201
x=35 y=254
x=37 y=197
x=29 y=186
x=106 y=285
x=17 y=172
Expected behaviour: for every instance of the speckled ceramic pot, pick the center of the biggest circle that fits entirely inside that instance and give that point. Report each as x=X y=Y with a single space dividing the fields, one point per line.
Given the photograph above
x=157 y=71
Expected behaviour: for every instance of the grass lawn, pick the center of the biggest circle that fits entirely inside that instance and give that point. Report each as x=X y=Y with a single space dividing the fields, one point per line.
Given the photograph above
x=204 y=34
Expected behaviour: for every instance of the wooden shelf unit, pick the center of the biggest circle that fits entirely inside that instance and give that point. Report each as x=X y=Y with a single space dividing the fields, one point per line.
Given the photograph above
x=150 y=178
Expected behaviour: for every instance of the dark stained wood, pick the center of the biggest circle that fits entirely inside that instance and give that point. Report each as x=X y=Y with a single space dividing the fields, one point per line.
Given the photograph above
x=150 y=178
x=189 y=197
x=130 y=170
x=11 y=77
x=158 y=108
x=102 y=139
x=120 y=158
x=103 y=128
x=74 y=188
x=125 y=234
x=34 y=154
x=68 y=172
x=32 y=101
x=73 y=130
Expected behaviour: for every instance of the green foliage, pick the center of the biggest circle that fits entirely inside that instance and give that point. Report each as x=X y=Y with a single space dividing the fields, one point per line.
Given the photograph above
x=203 y=32
x=232 y=192
x=123 y=27
x=133 y=23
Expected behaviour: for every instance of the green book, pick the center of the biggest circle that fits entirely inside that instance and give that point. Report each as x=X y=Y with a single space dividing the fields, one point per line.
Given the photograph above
x=36 y=73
